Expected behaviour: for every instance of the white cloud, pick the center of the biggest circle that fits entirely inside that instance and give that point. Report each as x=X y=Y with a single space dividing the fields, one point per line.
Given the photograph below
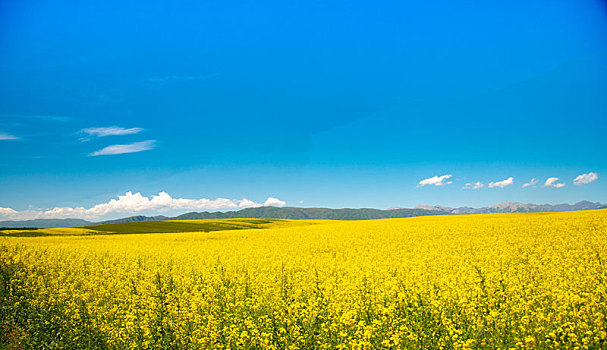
x=110 y=131
x=274 y=202
x=436 y=180
x=5 y=136
x=552 y=182
x=128 y=148
x=509 y=181
x=585 y=179
x=245 y=203
x=130 y=203
x=7 y=212
x=473 y=185
x=531 y=183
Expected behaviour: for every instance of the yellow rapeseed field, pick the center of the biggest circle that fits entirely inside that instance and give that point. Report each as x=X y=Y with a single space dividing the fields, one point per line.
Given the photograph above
x=478 y=281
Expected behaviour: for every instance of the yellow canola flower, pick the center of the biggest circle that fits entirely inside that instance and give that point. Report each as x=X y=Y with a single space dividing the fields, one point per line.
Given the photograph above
x=463 y=282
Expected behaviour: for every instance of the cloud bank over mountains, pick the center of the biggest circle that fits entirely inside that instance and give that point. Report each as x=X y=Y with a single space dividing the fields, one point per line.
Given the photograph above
x=131 y=203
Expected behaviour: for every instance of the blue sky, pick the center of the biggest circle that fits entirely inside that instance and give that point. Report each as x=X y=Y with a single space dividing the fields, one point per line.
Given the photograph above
x=312 y=103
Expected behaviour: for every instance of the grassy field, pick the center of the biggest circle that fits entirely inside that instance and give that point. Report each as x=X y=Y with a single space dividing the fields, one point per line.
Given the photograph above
x=477 y=281
x=172 y=226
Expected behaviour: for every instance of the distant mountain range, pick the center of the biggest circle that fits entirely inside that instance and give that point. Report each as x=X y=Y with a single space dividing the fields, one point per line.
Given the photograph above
x=320 y=213
x=516 y=207
x=138 y=218
x=45 y=223
x=259 y=213
x=311 y=213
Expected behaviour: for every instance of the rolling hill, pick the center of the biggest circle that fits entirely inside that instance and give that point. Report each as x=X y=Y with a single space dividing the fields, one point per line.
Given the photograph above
x=319 y=213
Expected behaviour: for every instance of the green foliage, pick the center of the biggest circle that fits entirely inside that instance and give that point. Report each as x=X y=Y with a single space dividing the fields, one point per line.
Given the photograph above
x=178 y=226
x=311 y=214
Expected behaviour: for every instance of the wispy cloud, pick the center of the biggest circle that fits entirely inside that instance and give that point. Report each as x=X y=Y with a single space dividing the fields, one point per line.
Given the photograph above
x=128 y=148
x=473 y=185
x=52 y=118
x=134 y=203
x=436 y=181
x=501 y=184
x=531 y=183
x=109 y=131
x=5 y=136
x=584 y=179
x=552 y=182
x=40 y=117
